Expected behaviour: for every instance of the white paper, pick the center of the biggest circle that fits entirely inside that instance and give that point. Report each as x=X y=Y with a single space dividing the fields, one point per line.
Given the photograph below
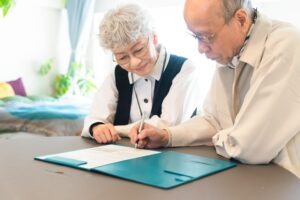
x=103 y=155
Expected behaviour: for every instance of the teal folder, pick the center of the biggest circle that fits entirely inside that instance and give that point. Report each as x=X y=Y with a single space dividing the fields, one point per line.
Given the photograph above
x=165 y=170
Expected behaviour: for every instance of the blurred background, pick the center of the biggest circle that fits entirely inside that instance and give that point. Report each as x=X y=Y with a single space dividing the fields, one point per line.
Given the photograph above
x=52 y=45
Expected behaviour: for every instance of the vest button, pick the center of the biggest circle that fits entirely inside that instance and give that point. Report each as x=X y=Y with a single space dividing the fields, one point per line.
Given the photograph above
x=145 y=100
x=146 y=79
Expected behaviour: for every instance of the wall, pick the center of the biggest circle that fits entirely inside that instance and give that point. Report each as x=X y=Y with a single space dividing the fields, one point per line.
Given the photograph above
x=103 y=5
x=28 y=37
x=287 y=10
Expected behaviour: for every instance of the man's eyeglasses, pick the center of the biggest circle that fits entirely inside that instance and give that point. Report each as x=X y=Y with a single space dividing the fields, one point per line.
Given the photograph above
x=140 y=52
x=207 y=39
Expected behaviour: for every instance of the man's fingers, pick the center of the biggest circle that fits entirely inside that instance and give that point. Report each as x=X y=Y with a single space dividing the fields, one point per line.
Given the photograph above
x=133 y=134
x=153 y=138
x=133 y=137
x=143 y=143
x=144 y=134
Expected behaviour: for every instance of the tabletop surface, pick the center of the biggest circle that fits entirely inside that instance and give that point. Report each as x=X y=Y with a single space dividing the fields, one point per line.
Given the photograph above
x=24 y=178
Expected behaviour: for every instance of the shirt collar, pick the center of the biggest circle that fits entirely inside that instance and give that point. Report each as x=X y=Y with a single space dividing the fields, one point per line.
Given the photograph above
x=158 y=68
x=234 y=62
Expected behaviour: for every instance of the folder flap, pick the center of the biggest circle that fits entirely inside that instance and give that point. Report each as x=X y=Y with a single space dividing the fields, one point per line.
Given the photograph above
x=164 y=170
x=194 y=166
x=65 y=161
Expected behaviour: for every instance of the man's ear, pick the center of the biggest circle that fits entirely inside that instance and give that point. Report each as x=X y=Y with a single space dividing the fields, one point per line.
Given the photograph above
x=242 y=17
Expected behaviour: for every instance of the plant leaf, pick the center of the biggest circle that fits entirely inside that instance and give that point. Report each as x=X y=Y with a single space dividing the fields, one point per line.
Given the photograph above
x=6 y=5
x=62 y=84
x=46 y=67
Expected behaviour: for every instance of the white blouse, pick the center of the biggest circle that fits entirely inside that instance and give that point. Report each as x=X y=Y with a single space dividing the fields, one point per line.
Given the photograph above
x=177 y=106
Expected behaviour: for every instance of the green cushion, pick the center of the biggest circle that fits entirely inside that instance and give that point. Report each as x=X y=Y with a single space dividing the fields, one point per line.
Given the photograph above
x=16 y=99
x=41 y=98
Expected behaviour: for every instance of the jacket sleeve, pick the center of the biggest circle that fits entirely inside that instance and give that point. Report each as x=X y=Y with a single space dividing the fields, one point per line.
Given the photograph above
x=200 y=129
x=269 y=116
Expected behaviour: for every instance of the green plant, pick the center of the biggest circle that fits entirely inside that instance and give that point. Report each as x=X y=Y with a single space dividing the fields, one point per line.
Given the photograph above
x=5 y=5
x=46 y=67
x=78 y=80
x=62 y=84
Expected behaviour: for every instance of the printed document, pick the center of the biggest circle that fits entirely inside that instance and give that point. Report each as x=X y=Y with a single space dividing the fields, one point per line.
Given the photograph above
x=103 y=155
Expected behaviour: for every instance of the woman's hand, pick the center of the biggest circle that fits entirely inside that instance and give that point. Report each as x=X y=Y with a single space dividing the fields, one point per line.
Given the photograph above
x=105 y=133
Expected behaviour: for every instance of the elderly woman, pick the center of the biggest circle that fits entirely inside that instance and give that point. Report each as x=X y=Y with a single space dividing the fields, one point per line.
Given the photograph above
x=147 y=79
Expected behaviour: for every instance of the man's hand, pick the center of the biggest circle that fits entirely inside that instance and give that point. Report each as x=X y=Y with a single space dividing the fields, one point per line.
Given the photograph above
x=150 y=137
x=105 y=133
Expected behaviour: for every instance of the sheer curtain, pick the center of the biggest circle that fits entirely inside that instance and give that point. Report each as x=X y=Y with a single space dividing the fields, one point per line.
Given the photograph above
x=78 y=12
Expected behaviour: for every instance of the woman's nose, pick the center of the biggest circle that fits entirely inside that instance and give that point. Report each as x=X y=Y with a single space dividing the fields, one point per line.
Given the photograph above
x=134 y=62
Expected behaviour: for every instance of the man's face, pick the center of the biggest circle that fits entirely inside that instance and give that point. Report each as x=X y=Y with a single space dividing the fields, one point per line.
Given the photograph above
x=218 y=40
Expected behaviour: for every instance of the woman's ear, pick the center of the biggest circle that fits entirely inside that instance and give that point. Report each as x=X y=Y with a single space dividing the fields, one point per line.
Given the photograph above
x=155 y=39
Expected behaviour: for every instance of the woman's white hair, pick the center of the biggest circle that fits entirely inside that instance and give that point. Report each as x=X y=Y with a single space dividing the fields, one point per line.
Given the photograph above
x=123 y=25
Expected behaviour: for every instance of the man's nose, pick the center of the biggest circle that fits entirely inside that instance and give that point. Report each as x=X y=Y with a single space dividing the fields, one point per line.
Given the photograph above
x=203 y=48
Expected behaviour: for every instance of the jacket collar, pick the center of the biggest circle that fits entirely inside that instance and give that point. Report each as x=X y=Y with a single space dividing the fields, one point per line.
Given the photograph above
x=253 y=52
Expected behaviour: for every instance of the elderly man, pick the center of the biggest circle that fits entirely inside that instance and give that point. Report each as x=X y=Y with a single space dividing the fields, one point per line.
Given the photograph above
x=252 y=109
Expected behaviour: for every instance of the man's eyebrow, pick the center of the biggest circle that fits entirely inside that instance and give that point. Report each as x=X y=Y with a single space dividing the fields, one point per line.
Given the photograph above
x=202 y=33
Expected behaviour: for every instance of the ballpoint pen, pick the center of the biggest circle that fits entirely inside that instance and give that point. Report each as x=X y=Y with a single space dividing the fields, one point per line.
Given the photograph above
x=140 y=129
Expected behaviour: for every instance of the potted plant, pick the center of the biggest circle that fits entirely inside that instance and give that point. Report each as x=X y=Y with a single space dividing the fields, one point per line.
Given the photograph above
x=78 y=80
x=5 y=6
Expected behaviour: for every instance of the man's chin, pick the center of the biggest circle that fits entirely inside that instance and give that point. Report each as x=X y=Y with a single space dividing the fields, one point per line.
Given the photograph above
x=221 y=61
x=216 y=59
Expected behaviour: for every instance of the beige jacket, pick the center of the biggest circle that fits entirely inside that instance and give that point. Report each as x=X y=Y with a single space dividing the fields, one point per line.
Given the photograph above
x=252 y=112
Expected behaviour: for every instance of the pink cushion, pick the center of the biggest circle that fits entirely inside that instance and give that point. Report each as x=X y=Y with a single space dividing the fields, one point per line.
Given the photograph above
x=18 y=86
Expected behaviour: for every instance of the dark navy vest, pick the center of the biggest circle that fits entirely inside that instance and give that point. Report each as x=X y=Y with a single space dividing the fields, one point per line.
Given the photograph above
x=161 y=90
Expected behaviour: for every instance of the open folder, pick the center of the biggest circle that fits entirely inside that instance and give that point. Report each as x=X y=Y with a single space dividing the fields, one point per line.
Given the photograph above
x=164 y=169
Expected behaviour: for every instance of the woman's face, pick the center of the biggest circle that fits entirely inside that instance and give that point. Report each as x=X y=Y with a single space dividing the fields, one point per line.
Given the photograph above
x=138 y=57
